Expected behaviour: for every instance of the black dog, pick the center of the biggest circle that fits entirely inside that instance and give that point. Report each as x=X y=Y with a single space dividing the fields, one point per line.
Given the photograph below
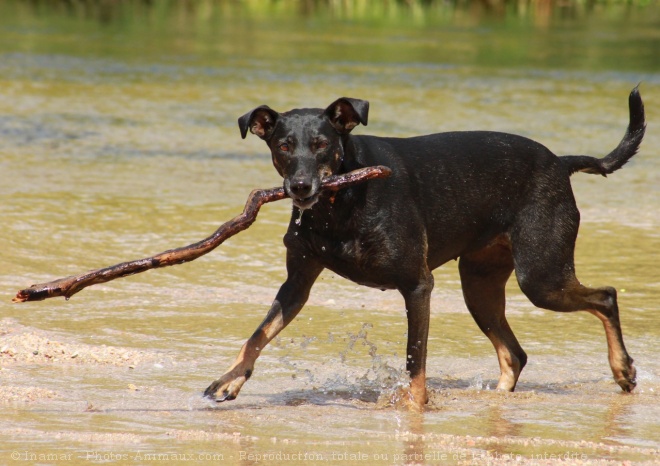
x=497 y=201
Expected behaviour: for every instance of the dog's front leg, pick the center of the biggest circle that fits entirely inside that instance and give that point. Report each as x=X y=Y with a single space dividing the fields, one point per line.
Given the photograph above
x=418 y=311
x=293 y=294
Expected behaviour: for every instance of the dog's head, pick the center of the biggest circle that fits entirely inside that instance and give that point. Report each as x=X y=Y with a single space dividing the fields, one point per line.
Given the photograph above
x=306 y=144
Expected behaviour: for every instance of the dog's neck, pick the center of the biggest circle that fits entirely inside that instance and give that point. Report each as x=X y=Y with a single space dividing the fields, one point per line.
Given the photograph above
x=349 y=161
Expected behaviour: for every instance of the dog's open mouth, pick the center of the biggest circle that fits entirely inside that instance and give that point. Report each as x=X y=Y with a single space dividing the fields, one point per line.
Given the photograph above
x=307 y=202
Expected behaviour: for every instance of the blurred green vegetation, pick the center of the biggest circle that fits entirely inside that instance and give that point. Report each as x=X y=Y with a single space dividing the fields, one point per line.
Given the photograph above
x=418 y=12
x=573 y=34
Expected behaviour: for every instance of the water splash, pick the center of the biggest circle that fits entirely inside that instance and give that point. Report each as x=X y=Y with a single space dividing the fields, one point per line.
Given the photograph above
x=477 y=383
x=381 y=376
x=338 y=378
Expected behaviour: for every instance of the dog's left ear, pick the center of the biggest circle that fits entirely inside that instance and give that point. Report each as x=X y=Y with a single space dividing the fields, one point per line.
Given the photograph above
x=346 y=113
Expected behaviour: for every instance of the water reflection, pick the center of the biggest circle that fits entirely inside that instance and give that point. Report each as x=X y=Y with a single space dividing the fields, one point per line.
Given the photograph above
x=496 y=420
x=413 y=440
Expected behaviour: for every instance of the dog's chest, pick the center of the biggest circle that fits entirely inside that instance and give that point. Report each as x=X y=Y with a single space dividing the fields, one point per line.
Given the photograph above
x=351 y=249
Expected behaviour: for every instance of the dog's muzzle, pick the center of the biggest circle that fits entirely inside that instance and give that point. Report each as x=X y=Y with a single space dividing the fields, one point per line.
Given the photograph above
x=304 y=192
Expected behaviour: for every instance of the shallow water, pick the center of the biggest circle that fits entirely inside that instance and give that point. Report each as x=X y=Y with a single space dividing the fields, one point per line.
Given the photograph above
x=118 y=140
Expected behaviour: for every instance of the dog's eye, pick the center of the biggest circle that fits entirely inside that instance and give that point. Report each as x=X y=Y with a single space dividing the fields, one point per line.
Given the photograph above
x=284 y=147
x=322 y=145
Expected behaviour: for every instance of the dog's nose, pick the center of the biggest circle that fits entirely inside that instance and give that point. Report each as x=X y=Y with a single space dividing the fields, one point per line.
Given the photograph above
x=300 y=188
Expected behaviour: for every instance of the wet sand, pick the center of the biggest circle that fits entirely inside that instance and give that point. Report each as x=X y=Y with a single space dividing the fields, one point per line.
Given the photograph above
x=47 y=413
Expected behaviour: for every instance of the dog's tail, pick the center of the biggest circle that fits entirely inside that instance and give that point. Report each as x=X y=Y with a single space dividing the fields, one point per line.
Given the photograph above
x=623 y=152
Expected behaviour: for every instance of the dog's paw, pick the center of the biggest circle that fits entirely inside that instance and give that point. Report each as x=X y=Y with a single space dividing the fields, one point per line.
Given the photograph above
x=404 y=398
x=226 y=388
x=627 y=380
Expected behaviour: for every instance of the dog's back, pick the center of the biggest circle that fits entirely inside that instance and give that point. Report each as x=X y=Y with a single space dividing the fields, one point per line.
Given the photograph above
x=465 y=187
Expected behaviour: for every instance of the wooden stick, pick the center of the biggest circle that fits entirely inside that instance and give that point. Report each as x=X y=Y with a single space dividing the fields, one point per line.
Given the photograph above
x=69 y=286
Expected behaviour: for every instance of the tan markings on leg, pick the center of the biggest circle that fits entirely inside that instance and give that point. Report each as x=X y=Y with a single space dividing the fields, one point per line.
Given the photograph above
x=274 y=327
x=246 y=357
x=418 y=389
x=620 y=362
x=509 y=365
x=412 y=397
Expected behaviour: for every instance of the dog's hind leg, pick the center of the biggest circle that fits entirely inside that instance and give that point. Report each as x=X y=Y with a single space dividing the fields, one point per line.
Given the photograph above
x=484 y=274
x=543 y=246
x=605 y=306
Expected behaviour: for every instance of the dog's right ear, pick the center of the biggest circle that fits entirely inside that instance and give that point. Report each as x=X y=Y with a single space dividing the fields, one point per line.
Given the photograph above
x=260 y=121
